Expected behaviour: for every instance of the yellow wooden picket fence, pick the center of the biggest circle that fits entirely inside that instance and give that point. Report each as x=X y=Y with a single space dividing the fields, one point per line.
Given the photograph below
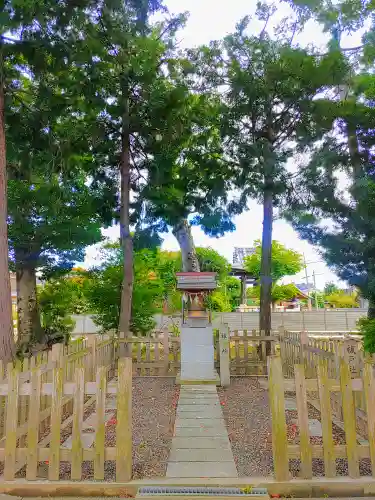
x=305 y=451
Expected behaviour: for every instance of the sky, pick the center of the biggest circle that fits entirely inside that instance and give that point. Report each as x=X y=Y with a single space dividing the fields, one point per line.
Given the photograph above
x=210 y=20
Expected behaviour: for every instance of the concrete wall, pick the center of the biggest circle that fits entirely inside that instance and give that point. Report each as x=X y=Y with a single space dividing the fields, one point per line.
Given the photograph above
x=84 y=324
x=330 y=320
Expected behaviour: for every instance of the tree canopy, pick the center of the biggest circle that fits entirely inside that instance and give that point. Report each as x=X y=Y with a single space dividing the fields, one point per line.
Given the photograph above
x=285 y=261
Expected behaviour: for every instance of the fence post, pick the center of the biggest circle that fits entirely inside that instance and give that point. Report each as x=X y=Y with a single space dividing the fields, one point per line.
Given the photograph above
x=166 y=349
x=124 y=421
x=101 y=391
x=57 y=354
x=282 y=343
x=56 y=410
x=350 y=355
x=303 y=420
x=277 y=404
x=349 y=419
x=224 y=355
x=92 y=344
x=369 y=390
x=304 y=340
x=11 y=422
x=326 y=419
x=33 y=424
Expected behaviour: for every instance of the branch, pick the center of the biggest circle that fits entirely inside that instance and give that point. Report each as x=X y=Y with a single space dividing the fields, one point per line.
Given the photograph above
x=348 y=49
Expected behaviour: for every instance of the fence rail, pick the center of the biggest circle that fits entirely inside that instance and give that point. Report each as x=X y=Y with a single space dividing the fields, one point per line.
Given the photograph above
x=328 y=451
x=18 y=453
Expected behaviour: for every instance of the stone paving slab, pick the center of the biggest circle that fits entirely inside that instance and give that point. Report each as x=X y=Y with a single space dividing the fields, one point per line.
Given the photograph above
x=207 y=414
x=195 y=401
x=198 y=408
x=200 y=443
x=199 y=387
x=290 y=404
x=201 y=469
x=86 y=439
x=201 y=455
x=315 y=428
x=201 y=431
x=199 y=395
x=196 y=422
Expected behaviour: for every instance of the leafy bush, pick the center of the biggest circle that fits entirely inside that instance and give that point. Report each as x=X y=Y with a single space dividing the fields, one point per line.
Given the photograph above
x=57 y=301
x=103 y=291
x=367 y=329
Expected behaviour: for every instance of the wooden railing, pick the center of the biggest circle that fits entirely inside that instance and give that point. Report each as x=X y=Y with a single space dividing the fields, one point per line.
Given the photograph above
x=154 y=356
x=33 y=390
x=247 y=351
x=22 y=418
x=324 y=386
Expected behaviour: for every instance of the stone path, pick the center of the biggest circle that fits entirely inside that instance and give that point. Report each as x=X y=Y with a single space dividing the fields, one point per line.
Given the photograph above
x=200 y=444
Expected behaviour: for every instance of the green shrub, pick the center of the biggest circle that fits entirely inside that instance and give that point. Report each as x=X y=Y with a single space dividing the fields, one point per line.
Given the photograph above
x=367 y=329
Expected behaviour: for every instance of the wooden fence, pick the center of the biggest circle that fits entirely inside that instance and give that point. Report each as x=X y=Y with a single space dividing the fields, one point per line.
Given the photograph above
x=154 y=356
x=37 y=392
x=247 y=352
x=29 y=452
x=329 y=450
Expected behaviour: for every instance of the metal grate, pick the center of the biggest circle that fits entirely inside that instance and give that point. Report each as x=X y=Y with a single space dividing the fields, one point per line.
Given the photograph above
x=160 y=490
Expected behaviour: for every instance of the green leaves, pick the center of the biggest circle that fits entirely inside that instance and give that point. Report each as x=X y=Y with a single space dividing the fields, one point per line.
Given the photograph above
x=285 y=262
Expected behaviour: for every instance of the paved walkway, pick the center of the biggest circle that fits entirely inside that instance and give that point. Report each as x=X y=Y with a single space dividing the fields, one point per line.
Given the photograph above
x=200 y=444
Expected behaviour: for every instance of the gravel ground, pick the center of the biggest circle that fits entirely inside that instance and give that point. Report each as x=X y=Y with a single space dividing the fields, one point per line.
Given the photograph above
x=247 y=415
x=318 y=464
x=154 y=408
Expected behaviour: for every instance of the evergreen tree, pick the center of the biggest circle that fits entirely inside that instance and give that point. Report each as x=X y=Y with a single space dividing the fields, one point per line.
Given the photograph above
x=269 y=107
x=33 y=42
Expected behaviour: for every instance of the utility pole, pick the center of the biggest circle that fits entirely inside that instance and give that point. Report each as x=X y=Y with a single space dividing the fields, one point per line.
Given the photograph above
x=315 y=290
x=307 y=284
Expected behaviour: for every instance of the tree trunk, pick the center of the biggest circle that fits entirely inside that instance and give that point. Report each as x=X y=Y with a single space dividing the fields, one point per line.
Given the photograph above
x=182 y=233
x=371 y=309
x=357 y=170
x=6 y=320
x=29 y=327
x=265 y=268
x=126 y=239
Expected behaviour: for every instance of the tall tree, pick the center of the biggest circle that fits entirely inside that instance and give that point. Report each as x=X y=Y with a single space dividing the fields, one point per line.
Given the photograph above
x=270 y=108
x=124 y=58
x=32 y=41
x=346 y=237
x=55 y=208
x=188 y=180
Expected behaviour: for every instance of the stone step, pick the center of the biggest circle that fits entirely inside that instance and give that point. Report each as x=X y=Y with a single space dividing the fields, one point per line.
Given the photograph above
x=201 y=443
x=201 y=469
x=200 y=455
